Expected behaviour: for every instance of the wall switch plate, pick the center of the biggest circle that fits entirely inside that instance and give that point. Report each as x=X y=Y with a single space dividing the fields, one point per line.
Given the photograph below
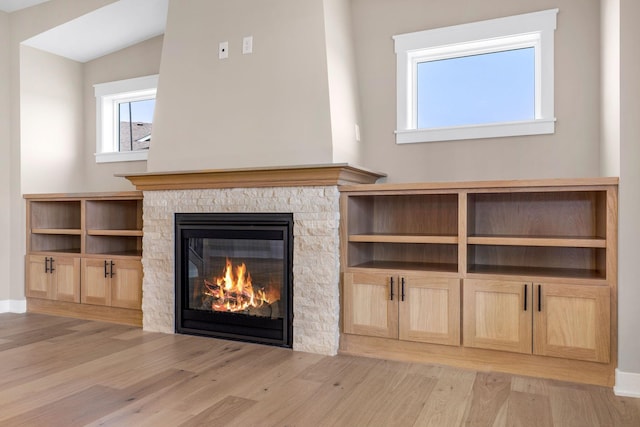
x=223 y=50
x=247 y=45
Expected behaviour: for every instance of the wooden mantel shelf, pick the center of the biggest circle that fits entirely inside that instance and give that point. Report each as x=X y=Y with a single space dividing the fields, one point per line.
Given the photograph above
x=289 y=176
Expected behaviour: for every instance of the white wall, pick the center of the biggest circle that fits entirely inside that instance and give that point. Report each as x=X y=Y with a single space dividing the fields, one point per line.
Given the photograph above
x=573 y=151
x=5 y=157
x=629 y=291
x=267 y=108
x=51 y=123
x=142 y=59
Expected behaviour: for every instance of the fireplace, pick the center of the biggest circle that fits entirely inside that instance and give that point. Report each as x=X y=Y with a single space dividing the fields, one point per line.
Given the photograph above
x=234 y=276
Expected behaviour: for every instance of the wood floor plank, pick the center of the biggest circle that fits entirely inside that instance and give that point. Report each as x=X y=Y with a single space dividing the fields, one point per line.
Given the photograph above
x=528 y=409
x=68 y=372
x=448 y=401
x=488 y=396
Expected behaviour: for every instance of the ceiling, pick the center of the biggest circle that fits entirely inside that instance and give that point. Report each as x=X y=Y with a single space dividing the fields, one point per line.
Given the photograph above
x=116 y=26
x=13 y=5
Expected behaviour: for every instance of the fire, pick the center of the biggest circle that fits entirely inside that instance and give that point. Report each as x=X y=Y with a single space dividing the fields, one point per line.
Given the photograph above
x=234 y=291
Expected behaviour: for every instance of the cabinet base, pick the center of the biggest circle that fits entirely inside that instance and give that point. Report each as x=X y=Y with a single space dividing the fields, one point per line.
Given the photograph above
x=480 y=360
x=85 y=311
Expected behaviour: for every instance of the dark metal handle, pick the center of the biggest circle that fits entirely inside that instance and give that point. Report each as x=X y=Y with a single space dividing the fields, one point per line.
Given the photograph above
x=51 y=269
x=46 y=264
x=525 y=297
x=391 y=283
x=111 y=269
x=402 y=295
x=539 y=298
x=106 y=274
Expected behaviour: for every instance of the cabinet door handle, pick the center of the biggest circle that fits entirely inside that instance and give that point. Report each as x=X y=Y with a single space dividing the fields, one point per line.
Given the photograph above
x=106 y=274
x=46 y=264
x=525 y=297
x=402 y=294
x=391 y=287
x=111 y=269
x=51 y=269
x=539 y=298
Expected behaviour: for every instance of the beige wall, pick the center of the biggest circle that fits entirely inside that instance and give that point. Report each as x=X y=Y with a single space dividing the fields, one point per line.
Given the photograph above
x=573 y=150
x=610 y=87
x=51 y=123
x=142 y=59
x=629 y=291
x=267 y=108
x=5 y=157
x=23 y=25
x=343 y=86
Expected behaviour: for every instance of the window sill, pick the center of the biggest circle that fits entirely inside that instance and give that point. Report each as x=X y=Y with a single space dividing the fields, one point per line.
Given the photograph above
x=126 y=156
x=492 y=130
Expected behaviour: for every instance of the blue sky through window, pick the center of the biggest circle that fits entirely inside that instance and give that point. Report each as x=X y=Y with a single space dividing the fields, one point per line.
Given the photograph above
x=487 y=88
x=141 y=111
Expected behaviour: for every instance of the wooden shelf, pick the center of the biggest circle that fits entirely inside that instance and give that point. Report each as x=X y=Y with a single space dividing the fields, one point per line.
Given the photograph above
x=61 y=231
x=408 y=266
x=572 y=242
x=58 y=251
x=403 y=238
x=124 y=233
x=505 y=270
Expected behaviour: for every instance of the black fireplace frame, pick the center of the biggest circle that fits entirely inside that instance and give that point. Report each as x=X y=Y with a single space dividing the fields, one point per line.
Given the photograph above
x=236 y=326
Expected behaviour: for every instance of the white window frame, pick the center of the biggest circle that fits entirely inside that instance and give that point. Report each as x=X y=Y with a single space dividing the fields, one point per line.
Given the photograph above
x=496 y=35
x=108 y=96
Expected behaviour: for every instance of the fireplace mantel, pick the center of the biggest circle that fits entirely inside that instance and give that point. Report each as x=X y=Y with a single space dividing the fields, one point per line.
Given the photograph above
x=286 y=176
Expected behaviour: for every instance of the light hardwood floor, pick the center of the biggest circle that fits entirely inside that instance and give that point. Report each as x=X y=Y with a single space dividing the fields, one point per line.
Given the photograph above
x=57 y=371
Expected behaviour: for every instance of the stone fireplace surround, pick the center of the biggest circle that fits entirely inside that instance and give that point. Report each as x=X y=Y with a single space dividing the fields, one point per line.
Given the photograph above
x=309 y=192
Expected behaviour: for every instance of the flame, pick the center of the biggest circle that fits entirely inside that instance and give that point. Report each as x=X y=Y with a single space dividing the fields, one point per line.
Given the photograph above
x=234 y=291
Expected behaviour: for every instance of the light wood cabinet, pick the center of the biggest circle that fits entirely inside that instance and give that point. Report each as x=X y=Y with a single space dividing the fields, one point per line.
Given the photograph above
x=534 y=264
x=111 y=282
x=497 y=315
x=54 y=278
x=429 y=309
x=410 y=307
x=69 y=238
x=572 y=321
x=548 y=319
x=369 y=305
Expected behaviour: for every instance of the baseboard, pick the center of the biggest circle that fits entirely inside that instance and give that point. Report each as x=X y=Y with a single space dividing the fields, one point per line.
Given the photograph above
x=627 y=384
x=13 y=306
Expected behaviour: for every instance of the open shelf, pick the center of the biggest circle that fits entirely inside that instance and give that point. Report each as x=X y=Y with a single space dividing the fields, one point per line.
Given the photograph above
x=63 y=243
x=104 y=214
x=125 y=233
x=50 y=215
x=574 y=262
x=562 y=214
x=114 y=245
x=412 y=256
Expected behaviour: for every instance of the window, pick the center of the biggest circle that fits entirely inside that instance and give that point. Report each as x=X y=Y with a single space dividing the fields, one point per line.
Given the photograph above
x=124 y=119
x=480 y=80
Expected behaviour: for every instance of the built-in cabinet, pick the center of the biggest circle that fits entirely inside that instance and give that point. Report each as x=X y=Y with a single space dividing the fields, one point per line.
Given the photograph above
x=85 y=250
x=524 y=269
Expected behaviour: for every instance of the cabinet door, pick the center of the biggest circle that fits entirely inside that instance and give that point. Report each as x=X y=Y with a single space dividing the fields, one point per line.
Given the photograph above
x=65 y=278
x=430 y=309
x=95 y=283
x=572 y=321
x=126 y=284
x=371 y=305
x=38 y=280
x=497 y=315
